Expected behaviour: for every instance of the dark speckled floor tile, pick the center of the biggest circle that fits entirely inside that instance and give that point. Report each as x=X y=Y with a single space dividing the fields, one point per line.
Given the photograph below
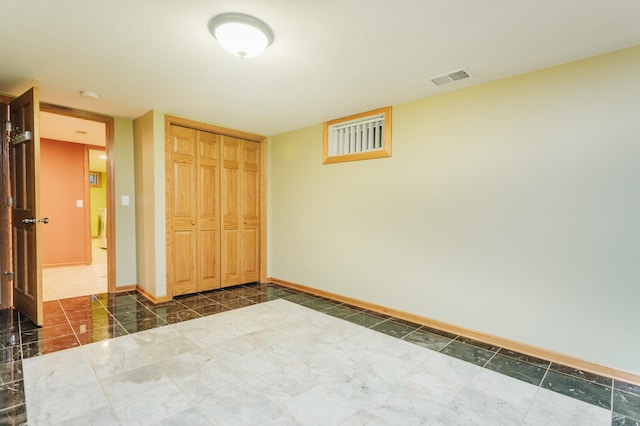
x=8 y=316
x=517 y=369
x=140 y=314
x=180 y=316
x=626 y=404
x=590 y=377
x=478 y=344
x=14 y=415
x=405 y=322
x=341 y=311
x=214 y=308
x=577 y=388
x=195 y=301
x=143 y=324
x=300 y=298
x=221 y=296
x=10 y=372
x=46 y=333
x=393 y=328
x=246 y=292
x=10 y=354
x=99 y=334
x=620 y=420
x=279 y=292
x=12 y=394
x=526 y=358
x=320 y=304
x=438 y=332
x=11 y=328
x=42 y=347
x=472 y=354
x=627 y=387
x=365 y=320
x=427 y=340
x=92 y=323
x=10 y=339
x=261 y=298
x=238 y=303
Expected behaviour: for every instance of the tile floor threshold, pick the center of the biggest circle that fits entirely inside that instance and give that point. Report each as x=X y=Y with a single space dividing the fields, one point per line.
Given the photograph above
x=87 y=319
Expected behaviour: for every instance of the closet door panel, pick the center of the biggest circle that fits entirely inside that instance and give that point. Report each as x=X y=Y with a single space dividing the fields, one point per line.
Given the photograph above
x=208 y=222
x=183 y=198
x=185 y=281
x=230 y=258
x=250 y=261
x=250 y=256
x=230 y=202
x=208 y=265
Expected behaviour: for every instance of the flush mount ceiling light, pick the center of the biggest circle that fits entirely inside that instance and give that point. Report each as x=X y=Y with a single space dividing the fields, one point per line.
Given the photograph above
x=242 y=35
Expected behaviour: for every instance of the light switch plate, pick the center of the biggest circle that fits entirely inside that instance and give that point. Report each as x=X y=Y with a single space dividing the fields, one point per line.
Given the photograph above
x=79 y=203
x=125 y=200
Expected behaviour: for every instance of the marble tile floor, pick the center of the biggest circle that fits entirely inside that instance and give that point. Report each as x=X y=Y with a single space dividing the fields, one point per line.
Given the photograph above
x=277 y=356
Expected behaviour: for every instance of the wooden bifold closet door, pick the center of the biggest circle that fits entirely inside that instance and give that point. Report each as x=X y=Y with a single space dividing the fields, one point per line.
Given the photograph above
x=213 y=202
x=240 y=211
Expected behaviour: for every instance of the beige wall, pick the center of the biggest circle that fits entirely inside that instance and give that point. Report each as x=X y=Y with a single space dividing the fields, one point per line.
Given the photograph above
x=510 y=208
x=150 y=202
x=124 y=184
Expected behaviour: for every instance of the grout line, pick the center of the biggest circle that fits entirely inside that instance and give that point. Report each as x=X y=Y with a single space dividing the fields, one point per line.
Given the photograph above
x=612 y=412
x=489 y=360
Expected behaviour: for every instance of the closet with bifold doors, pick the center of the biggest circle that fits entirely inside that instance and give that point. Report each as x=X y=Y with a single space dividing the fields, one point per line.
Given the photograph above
x=213 y=192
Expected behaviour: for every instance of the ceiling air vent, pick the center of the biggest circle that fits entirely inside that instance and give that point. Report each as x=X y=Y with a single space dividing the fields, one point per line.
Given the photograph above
x=450 y=77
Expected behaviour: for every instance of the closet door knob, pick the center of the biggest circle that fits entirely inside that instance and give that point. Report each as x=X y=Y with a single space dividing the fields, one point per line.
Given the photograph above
x=193 y=222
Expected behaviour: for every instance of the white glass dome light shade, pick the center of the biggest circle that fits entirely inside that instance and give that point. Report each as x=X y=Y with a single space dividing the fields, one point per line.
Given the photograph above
x=241 y=35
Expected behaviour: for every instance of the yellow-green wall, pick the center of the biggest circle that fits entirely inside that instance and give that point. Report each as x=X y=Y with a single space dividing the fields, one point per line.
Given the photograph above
x=98 y=197
x=509 y=208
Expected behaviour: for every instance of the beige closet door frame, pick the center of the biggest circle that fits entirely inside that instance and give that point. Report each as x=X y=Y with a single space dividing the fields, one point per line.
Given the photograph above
x=172 y=120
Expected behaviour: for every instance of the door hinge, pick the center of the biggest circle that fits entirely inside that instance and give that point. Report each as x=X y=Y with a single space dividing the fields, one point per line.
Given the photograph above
x=21 y=137
x=9 y=275
x=9 y=201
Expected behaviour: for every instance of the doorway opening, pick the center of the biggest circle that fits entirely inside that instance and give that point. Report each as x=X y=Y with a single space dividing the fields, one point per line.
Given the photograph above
x=76 y=184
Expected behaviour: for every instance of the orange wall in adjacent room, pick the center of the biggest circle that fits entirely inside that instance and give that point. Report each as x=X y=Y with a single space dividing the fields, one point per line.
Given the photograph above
x=62 y=184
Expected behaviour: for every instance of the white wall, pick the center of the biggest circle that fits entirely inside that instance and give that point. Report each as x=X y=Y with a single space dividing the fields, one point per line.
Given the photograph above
x=511 y=208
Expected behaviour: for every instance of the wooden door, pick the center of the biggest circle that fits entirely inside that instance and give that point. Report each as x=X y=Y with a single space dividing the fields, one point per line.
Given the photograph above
x=250 y=226
x=230 y=215
x=208 y=208
x=5 y=212
x=240 y=240
x=25 y=188
x=182 y=248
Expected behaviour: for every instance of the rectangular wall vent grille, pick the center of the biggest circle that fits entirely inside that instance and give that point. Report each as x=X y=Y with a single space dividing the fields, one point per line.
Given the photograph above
x=360 y=135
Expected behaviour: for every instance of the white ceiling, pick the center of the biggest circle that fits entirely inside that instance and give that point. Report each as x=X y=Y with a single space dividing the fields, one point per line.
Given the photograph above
x=329 y=59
